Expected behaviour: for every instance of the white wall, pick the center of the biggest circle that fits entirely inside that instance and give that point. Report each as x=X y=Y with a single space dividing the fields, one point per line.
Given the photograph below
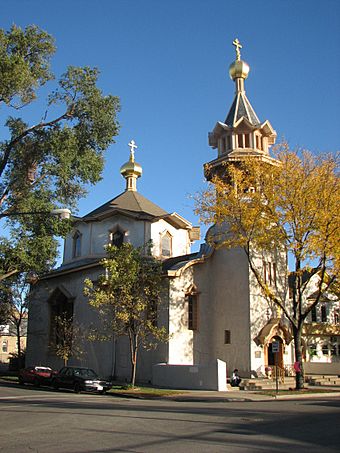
x=197 y=377
x=96 y=235
x=180 y=238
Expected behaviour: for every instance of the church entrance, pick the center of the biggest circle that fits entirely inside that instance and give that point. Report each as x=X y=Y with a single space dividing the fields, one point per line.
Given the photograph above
x=275 y=358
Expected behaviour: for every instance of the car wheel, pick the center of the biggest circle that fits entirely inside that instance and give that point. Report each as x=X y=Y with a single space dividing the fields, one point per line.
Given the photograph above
x=36 y=382
x=55 y=385
x=77 y=387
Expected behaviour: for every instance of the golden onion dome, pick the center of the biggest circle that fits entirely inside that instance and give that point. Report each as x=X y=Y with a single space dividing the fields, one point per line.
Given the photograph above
x=239 y=70
x=131 y=168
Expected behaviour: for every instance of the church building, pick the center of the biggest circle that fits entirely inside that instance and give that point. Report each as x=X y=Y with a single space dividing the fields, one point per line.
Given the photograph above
x=212 y=307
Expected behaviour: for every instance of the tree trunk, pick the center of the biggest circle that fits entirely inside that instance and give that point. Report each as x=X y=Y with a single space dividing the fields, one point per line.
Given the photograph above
x=20 y=364
x=299 y=371
x=133 y=352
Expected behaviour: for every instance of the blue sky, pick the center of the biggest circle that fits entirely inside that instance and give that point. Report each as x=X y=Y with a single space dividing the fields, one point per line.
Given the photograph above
x=168 y=62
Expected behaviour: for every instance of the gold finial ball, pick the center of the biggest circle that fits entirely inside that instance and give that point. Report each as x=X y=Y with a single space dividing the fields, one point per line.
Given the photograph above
x=239 y=70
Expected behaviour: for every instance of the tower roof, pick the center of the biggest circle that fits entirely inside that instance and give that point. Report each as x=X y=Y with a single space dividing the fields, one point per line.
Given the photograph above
x=241 y=107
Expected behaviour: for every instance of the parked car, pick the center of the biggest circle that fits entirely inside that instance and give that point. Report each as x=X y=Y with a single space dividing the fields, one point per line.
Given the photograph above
x=80 y=379
x=36 y=375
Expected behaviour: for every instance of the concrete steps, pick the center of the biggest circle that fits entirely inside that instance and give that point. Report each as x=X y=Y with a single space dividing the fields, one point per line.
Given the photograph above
x=266 y=384
x=323 y=380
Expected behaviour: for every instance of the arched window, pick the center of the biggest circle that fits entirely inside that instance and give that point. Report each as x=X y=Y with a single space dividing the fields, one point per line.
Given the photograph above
x=117 y=238
x=166 y=245
x=61 y=317
x=76 y=247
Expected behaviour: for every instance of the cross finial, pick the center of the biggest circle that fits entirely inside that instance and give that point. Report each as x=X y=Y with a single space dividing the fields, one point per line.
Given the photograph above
x=238 y=46
x=132 y=145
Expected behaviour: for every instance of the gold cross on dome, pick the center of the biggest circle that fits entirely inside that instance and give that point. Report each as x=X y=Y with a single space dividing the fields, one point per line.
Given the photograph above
x=132 y=145
x=238 y=46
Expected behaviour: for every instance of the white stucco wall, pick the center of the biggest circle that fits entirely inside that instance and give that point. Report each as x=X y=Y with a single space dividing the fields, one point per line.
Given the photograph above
x=221 y=283
x=180 y=238
x=105 y=357
x=96 y=235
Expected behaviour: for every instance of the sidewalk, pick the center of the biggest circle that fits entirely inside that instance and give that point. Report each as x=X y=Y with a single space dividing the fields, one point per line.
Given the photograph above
x=244 y=395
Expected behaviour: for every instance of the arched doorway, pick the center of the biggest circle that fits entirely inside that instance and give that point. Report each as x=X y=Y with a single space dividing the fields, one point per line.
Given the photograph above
x=274 y=358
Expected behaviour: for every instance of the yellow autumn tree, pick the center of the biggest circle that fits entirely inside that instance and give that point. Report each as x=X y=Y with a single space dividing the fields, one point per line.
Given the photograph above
x=291 y=204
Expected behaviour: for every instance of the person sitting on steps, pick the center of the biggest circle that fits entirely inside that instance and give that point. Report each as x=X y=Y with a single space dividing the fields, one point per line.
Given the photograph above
x=235 y=380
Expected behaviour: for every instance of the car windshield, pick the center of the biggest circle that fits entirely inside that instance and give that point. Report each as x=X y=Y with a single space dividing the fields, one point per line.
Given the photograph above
x=85 y=373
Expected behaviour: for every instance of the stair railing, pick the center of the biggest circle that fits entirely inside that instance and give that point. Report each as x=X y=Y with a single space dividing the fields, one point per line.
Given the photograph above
x=279 y=372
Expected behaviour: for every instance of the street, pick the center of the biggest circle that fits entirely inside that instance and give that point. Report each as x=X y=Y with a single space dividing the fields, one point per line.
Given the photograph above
x=42 y=420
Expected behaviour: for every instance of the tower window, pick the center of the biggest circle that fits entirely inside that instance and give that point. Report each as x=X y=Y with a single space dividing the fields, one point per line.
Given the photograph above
x=323 y=313
x=259 y=142
x=247 y=140
x=76 y=250
x=314 y=315
x=228 y=142
x=117 y=238
x=274 y=274
x=240 y=138
x=166 y=245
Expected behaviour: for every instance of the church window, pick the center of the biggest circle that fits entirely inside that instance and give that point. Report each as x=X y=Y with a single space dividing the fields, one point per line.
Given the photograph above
x=240 y=138
x=61 y=312
x=333 y=349
x=76 y=250
x=264 y=272
x=325 y=349
x=336 y=316
x=166 y=245
x=192 y=312
x=270 y=273
x=323 y=313
x=4 y=346
x=227 y=337
x=314 y=315
x=117 y=238
x=312 y=350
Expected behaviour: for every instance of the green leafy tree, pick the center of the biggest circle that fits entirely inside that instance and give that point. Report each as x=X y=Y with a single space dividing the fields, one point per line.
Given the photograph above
x=69 y=338
x=127 y=297
x=292 y=206
x=14 y=296
x=46 y=165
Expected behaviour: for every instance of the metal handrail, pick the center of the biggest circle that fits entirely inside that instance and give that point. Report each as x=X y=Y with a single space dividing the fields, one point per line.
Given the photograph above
x=279 y=372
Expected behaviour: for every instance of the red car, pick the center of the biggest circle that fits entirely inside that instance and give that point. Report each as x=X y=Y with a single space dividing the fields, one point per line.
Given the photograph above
x=36 y=375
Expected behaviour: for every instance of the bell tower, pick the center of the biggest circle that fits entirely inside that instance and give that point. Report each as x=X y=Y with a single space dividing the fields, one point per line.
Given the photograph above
x=242 y=134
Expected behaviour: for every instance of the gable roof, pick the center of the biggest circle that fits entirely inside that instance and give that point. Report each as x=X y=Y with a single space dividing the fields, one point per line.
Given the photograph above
x=128 y=201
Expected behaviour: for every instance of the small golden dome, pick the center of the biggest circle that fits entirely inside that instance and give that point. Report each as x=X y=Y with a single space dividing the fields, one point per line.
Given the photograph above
x=131 y=168
x=239 y=70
